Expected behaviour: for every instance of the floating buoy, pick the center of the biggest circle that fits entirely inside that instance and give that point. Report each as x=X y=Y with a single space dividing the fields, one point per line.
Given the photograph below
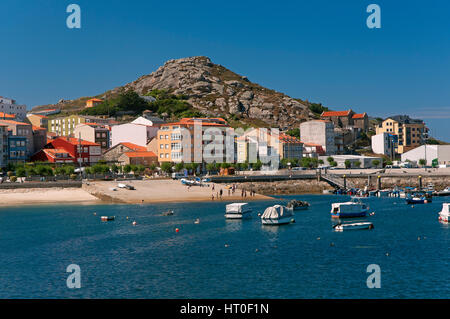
x=226 y=245
x=134 y=223
x=127 y=217
x=177 y=230
x=197 y=221
x=412 y=206
x=318 y=238
x=418 y=238
x=256 y=250
x=332 y=244
x=95 y=214
x=387 y=254
x=292 y=220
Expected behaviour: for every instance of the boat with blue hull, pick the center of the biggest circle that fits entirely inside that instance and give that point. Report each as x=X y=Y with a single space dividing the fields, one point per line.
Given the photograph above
x=353 y=208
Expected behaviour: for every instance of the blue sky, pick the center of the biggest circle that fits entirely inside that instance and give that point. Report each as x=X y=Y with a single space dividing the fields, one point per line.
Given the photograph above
x=316 y=50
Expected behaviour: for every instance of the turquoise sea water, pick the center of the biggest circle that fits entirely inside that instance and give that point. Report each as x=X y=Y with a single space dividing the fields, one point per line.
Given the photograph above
x=222 y=259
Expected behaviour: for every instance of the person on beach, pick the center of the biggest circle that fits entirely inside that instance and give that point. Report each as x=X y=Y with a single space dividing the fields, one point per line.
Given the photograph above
x=212 y=196
x=229 y=192
x=221 y=192
x=213 y=188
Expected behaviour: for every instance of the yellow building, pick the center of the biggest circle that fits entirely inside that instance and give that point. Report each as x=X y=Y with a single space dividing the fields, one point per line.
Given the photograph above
x=180 y=141
x=65 y=126
x=37 y=120
x=411 y=133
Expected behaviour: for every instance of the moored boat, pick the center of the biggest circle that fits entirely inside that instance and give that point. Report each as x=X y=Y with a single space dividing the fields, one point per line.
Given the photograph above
x=238 y=211
x=444 y=214
x=418 y=198
x=277 y=215
x=353 y=226
x=107 y=218
x=353 y=208
x=298 y=204
x=444 y=192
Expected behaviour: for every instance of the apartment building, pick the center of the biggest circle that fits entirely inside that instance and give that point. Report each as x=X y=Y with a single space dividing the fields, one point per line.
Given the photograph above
x=9 y=106
x=319 y=132
x=196 y=140
x=21 y=129
x=65 y=126
x=411 y=133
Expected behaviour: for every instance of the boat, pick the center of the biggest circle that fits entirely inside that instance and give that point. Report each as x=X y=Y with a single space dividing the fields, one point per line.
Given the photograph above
x=130 y=187
x=444 y=214
x=107 y=218
x=168 y=213
x=238 y=211
x=353 y=208
x=277 y=215
x=298 y=204
x=121 y=185
x=418 y=198
x=353 y=226
x=444 y=192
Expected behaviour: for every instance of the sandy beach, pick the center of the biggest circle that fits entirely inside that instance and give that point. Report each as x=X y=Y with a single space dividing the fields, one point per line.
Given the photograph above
x=158 y=191
x=29 y=196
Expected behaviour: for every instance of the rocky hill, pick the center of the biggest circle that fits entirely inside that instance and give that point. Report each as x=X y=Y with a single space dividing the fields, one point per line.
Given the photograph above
x=216 y=91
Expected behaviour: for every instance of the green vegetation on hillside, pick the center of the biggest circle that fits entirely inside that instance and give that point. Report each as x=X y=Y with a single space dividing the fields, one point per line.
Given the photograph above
x=166 y=104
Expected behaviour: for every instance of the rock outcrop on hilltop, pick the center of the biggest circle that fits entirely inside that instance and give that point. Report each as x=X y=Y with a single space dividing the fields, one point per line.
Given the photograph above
x=214 y=90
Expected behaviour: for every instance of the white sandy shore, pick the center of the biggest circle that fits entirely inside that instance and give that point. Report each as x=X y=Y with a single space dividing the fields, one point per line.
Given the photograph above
x=157 y=191
x=29 y=196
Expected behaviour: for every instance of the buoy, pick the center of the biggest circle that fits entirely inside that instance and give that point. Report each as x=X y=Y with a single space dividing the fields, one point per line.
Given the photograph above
x=256 y=250
x=418 y=238
x=387 y=254
x=331 y=244
x=226 y=245
x=412 y=206
x=318 y=238
x=127 y=217
x=95 y=213
x=177 y=230
x=197 y=221
x=134 y=223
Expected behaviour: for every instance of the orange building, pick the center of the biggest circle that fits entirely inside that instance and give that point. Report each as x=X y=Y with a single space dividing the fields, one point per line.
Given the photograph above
x=93 y=102
x=181 y=142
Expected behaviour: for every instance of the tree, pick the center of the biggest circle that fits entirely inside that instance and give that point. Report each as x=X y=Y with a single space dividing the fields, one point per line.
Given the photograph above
x=210 y=167
x=321 y=162
x=347 y=163
x=257 y=166
x=153 y=166
x=422 y=162
x=21 y=172
x=166 y=167
x=179 y=167
x=114 y=168
x=375 y=163
x=127 y=169
x=358 y=164
x=294 y=132
x=330 y=159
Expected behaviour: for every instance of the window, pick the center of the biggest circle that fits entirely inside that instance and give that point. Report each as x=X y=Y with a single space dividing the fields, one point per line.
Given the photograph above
x=161 y=155
x=167 y=155
x=161 y=146
x=161 y=137
x=167 y=137
x=167 y=146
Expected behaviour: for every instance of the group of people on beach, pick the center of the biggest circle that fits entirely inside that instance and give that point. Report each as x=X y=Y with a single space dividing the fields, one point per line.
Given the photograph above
x=231 y=191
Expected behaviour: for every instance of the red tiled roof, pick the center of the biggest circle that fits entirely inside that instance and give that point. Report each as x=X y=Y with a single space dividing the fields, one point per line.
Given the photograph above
x=41 y=116
x=141 y=154
x=6 y=115
x=359 y=116
x=37 y=128
x=134 y=147
x=335 y=113
x=95 y=100
x=14 y=122
x=76 y=141
x=53 y=151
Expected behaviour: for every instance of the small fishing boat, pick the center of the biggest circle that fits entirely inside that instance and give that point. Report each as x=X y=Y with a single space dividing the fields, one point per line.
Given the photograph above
x=277 y=215
x=444 y=192
x=353 y=208
x=444 y=214
x=107 y=218
x=298 y=204
x=353 y=226
x=238 y=211
x=418 y=198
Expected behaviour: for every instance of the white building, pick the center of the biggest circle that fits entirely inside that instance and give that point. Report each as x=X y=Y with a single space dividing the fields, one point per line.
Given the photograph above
x=382 y=144
x=9 y=106
x=429 y=153
x=319 y=132
x=138 y=132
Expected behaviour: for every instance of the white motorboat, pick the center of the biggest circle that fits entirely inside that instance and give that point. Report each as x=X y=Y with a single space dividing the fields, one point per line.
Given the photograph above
x=121 y=185
x=353 y=226
x=277 y=215
x=353 y=208
x=444 y=214
x=238 y=211
x=444 y=192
